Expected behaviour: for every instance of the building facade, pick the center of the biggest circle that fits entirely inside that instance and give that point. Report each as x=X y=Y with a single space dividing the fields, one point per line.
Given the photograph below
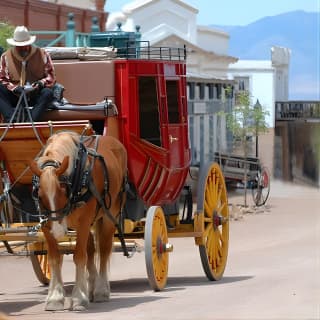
x=210 y=70
x=174 y=23
x=266 y=80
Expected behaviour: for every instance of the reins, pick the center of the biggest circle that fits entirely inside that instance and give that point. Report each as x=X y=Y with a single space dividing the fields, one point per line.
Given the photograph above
x=80 y=179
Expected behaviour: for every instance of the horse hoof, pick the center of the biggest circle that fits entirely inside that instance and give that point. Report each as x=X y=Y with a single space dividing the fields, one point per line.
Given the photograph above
x=101 y=297
x=79 y=308
x=54 y=306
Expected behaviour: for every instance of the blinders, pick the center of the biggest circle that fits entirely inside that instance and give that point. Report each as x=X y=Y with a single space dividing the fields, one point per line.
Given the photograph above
x=64 y=180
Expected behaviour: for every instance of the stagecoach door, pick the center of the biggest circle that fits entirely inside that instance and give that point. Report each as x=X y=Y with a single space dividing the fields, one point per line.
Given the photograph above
x=177 y=140
x=163 y=116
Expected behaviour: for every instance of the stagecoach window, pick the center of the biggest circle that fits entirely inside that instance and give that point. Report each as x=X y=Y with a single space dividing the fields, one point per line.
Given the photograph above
x=173 y=102
x=149 y=110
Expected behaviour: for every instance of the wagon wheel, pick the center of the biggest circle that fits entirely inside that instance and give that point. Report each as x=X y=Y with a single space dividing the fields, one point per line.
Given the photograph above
x=40 y=263
x=6 y=207
x=6 y=203
x=261 y=188
x=213 y=202
x=41 y=268
x=156 y=248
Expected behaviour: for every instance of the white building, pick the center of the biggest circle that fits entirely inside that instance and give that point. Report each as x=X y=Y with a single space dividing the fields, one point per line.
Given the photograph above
x=266 y=80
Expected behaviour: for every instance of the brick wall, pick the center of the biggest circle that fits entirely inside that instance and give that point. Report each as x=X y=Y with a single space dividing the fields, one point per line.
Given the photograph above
x=42 y=15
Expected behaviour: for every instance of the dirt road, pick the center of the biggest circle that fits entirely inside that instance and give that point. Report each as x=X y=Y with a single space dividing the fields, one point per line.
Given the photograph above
x=273 y=272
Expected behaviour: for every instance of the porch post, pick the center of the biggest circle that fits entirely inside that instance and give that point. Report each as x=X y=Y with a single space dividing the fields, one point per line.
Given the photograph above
x=70 y=33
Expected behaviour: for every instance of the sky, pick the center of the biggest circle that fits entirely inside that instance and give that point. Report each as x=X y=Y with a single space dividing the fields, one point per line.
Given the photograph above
x=235 y=12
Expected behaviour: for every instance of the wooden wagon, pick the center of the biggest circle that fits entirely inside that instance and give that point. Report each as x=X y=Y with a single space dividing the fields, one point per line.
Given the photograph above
x=239 y=171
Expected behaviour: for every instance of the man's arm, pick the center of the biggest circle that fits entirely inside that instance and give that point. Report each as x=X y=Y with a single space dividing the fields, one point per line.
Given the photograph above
x=4 y=74
x=50 y=78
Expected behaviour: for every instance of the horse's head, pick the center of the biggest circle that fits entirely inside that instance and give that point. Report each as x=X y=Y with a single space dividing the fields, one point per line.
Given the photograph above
x=52 y=189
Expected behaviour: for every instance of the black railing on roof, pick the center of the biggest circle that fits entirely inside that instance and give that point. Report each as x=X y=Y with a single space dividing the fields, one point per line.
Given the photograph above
x=143 y=50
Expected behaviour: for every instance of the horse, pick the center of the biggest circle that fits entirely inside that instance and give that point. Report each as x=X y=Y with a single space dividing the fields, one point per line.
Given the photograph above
x=79 y=184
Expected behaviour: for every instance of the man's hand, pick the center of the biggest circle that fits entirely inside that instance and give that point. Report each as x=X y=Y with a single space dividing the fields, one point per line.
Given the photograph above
x=18 y=90
x=38 y=85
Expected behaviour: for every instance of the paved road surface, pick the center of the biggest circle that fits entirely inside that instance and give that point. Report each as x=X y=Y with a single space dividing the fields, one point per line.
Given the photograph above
x=273 y=272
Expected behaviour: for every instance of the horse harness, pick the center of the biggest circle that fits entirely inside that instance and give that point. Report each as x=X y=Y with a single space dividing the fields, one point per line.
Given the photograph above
x=81 y=187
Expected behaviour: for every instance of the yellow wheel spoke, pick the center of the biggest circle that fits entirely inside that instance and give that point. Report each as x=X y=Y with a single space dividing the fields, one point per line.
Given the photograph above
x=208 y=198
x=207 y=210
x=216 y=227
x=207 y=229
x=221 y=207
x=219 y=193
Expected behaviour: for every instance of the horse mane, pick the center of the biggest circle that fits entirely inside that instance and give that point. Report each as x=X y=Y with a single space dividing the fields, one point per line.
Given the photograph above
x=60 y=145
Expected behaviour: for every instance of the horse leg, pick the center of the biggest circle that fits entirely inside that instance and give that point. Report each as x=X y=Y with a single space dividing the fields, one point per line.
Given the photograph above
x=92 y=270
x=80 y=299
x=55 y=298
x=104 y=236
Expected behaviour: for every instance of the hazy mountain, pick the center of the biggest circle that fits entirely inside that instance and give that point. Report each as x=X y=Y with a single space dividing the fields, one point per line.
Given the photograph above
x=297 y=30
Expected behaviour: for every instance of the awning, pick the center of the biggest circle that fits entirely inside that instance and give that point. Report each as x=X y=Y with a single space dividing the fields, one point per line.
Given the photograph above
x=208 y=78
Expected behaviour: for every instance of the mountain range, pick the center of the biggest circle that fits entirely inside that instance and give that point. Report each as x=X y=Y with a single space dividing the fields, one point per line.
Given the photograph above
x=297 y=30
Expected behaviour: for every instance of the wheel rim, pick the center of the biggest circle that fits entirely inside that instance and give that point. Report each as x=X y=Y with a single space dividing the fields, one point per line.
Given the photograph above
x=156 y=255
x=261 y=191
x=214 y=252
x=6 y=204
x=41 y=267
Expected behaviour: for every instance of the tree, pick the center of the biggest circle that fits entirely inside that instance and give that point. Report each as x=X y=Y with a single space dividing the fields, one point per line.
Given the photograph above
x=6 y=31
x=244 y=121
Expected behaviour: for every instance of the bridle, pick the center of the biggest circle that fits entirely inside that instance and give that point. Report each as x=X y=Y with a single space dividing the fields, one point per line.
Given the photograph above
x=63 y=179
x=80 y=179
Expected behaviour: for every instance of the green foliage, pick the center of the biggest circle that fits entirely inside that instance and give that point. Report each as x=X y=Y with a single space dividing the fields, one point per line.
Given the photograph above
x=6 y=31
x=246 y=120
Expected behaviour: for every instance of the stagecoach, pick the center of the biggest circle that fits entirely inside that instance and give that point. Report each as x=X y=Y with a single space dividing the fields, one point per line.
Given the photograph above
x=137 y=95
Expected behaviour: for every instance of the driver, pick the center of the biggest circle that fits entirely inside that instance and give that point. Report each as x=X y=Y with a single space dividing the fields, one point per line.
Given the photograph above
x=24 y=64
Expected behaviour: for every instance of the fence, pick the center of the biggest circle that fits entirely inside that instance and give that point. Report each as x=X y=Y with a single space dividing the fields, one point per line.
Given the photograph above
x=207 y=129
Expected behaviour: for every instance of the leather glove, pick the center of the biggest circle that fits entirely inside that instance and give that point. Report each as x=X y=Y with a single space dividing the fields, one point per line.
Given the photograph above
x=38 y=84
x=18 y=90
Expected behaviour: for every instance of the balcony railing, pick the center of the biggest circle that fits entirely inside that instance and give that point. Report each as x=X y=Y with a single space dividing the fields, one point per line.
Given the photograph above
x=291 y=110
x=128 y=44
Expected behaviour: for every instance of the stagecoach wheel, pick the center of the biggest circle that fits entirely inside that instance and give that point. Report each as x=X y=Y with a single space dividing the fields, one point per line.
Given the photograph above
x=40 y=263
x=261 y=188
x=156 y=248
x=213 y=202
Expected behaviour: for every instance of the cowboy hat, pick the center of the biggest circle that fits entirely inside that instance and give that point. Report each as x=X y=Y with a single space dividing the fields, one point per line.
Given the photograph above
x=21 y=37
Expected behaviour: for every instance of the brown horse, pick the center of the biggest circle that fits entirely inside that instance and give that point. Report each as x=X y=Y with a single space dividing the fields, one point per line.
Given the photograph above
x=80 y=187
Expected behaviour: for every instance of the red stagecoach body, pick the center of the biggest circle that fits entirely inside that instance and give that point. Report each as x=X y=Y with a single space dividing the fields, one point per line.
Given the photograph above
x=153 y=123
x=152 y=120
